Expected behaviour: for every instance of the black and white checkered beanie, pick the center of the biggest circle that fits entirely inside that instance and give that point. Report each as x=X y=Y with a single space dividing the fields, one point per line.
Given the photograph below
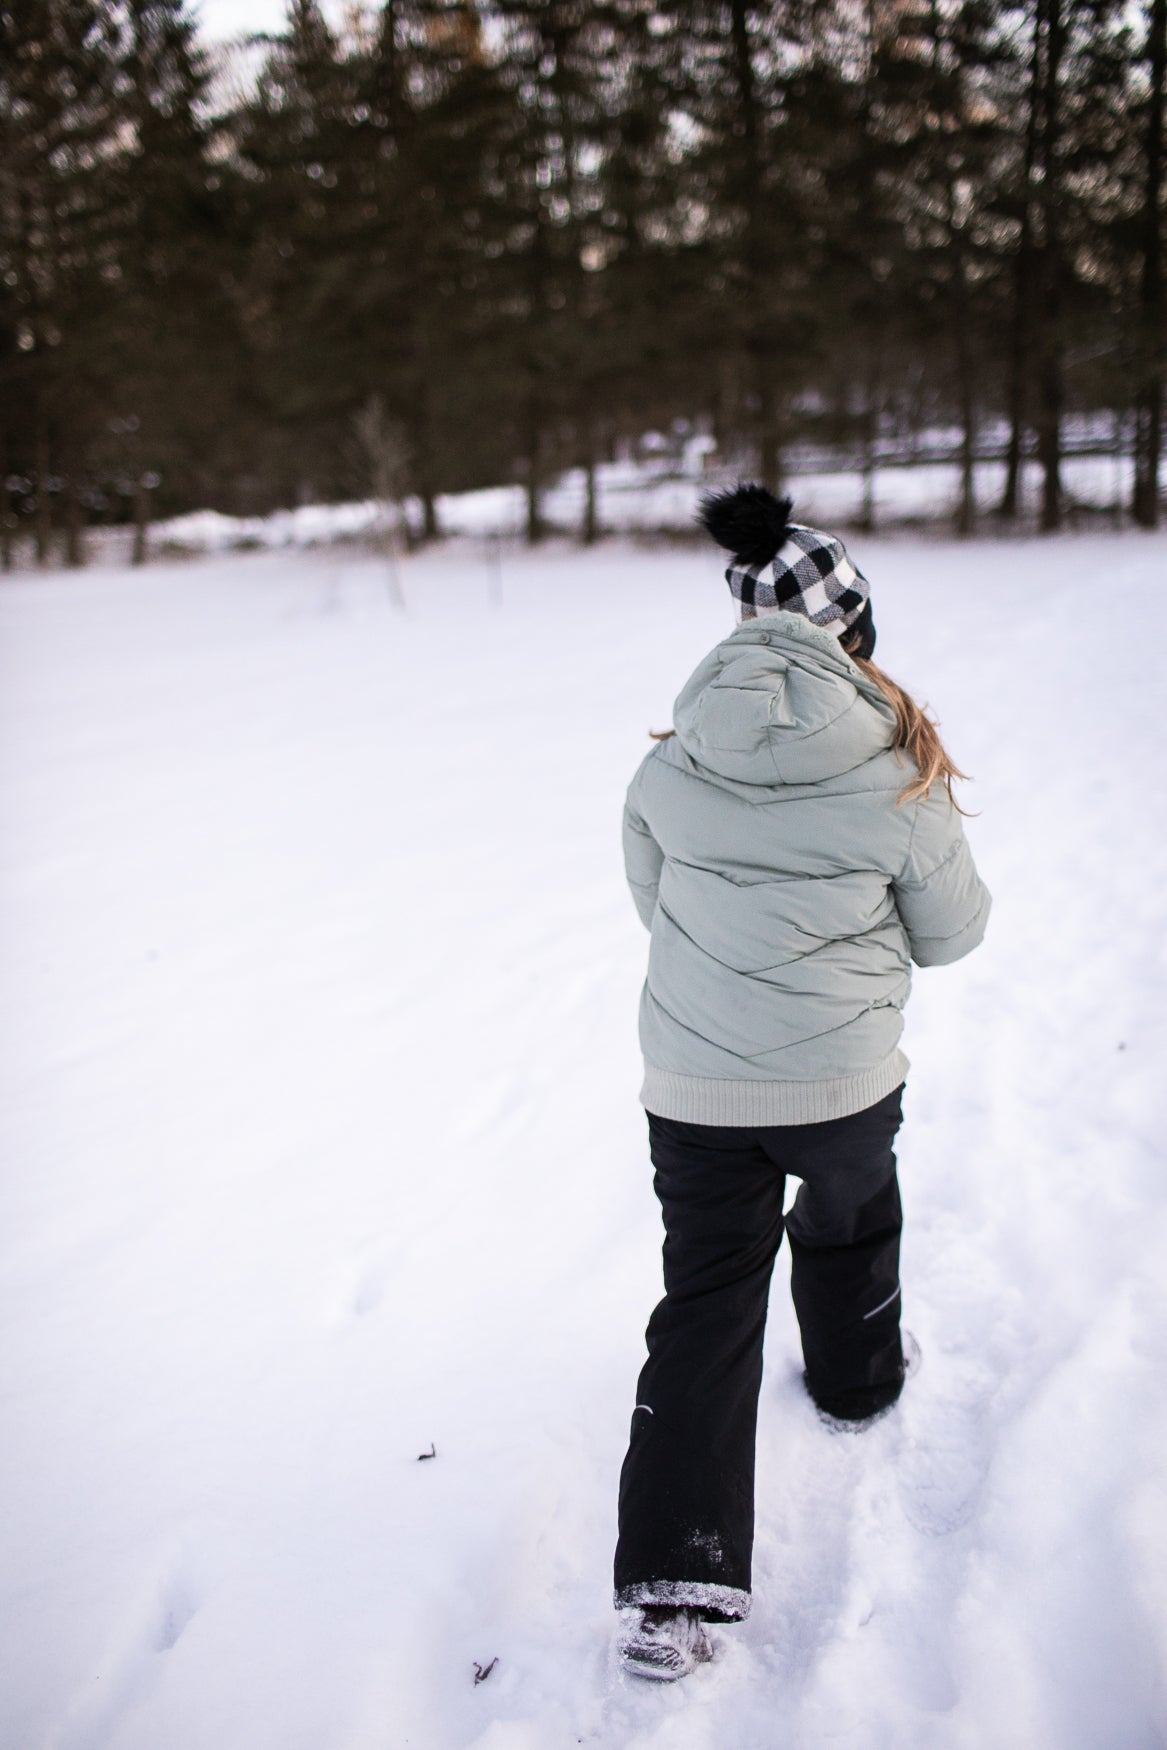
x=783 y=566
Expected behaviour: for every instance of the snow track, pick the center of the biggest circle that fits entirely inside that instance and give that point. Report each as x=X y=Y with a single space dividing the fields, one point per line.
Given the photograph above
x=320 y=1139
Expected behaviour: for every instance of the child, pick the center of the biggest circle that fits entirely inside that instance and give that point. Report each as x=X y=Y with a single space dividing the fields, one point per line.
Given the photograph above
x=793 y=846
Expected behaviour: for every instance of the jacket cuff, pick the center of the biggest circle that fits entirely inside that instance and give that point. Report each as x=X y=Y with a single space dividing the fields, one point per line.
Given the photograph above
x=943 y=950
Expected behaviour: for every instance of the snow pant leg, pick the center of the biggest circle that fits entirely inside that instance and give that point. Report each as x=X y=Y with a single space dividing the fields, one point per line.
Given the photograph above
x=687 y=1486
x=844 y=1231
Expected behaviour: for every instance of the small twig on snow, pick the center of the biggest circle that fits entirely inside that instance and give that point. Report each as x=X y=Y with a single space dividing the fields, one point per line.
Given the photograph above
x=432 y=1453
x=482 y=1672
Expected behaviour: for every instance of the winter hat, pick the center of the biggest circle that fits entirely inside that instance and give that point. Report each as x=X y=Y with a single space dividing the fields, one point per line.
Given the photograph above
x=809 y=571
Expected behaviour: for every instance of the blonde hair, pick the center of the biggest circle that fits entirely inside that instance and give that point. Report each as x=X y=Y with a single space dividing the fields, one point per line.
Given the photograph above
x=916 y=733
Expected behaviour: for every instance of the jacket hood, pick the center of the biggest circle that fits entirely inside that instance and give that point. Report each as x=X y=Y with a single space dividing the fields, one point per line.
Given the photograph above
x=779 y=702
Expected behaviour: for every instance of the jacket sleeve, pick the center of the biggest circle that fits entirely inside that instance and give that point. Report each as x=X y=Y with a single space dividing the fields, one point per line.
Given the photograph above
x=643 y=858
x=942 y=901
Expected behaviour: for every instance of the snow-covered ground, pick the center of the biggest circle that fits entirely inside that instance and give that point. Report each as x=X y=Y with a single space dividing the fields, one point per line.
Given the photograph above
x=321 y=1145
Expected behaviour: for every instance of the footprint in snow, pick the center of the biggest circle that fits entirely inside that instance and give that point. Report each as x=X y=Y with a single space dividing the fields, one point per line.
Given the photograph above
x=942 y=1466
x=369 y=1292
x=176 y=1606
x=133 y=1665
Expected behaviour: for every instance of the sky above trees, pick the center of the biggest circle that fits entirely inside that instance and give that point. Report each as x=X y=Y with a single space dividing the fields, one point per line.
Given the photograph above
x=221 y=20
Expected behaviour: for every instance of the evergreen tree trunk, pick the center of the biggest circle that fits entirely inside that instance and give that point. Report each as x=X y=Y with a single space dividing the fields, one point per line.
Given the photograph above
x=769 y=429
x=536 y=527
x=1023 y=283
x=141 y=521
x=868 y=205
x=1011 y=491
x=7 y=525
x=961 y=315
x=44 y=508
x=590 y=531
x=1149 y=404
x=966 y=509
x=74 y=523
x=1051 y=376
x=1051 y=406
x=867 y=511
x=758 y=343
x=422 y=444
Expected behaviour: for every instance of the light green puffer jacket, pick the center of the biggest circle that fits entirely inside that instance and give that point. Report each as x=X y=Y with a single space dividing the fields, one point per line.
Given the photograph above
x=786 y=893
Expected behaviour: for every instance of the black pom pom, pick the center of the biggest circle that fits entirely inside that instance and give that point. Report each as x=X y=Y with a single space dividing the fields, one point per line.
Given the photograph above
x=747 y=520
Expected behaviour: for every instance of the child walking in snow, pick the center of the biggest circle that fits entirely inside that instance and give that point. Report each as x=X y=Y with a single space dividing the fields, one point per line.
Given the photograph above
x=792 y=845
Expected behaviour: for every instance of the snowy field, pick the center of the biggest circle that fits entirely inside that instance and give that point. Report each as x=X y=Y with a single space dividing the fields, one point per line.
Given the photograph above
x=321 y=1148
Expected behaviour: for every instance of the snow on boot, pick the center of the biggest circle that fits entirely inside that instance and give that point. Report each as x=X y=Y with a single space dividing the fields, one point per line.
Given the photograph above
x=666 y=1644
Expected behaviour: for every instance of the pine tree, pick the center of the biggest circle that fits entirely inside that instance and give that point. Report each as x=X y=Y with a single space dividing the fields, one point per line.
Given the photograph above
x=757 y=265
x=166 y=357
x=1152 y=320
x=1078 y=63
x=57 y=124
x=942 y=107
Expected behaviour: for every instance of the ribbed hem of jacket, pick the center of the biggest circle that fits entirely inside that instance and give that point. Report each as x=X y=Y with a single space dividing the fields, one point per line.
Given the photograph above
x=710 y=1100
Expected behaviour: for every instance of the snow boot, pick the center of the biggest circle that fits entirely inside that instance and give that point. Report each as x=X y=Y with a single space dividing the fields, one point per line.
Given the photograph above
x=851 y=1412
x=667 y=1643
x=913 y=1354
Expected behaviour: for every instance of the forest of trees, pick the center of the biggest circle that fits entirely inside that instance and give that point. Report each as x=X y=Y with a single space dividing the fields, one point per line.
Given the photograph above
x=451 y=245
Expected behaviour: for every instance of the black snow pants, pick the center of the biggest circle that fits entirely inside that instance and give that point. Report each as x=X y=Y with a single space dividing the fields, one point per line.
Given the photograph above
x=687 y=1486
